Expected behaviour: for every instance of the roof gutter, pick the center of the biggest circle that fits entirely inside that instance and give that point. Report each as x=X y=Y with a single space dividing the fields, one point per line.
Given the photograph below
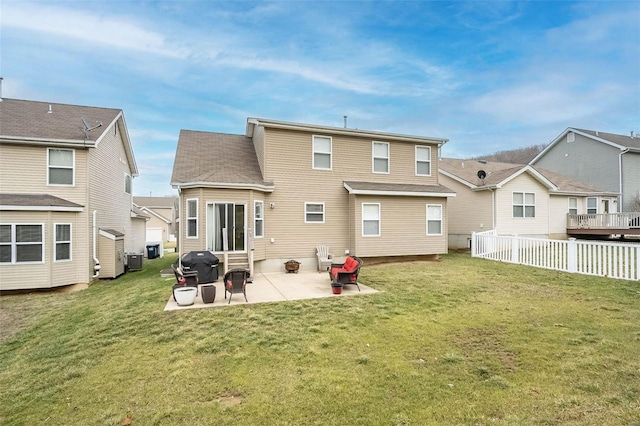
x=186 y=185
x=621 y=201
x=58 y=142
x=343 y=131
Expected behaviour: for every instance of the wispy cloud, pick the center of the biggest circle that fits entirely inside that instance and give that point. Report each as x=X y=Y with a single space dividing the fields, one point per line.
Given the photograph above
x=86 y=27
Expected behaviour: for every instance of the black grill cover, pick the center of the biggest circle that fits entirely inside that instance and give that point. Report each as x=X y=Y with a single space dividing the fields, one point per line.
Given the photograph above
x=205 y=262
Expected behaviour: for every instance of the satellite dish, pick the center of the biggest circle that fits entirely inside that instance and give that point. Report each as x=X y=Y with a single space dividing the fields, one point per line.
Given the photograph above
x=482 y=174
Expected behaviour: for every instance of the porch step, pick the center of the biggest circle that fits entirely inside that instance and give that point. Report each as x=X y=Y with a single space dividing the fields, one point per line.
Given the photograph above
x=238 y=260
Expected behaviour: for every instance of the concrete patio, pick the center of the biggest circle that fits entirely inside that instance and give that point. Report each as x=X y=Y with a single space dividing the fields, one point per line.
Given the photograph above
x=274 y=287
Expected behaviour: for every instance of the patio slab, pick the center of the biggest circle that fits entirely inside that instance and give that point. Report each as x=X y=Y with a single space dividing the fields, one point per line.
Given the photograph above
x=274 y=287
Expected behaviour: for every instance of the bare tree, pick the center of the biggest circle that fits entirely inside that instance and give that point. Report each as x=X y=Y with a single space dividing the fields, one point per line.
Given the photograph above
x=635 y=204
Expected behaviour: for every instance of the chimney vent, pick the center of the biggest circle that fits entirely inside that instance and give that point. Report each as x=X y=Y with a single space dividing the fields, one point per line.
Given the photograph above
x=345 y=121
x=50 y=109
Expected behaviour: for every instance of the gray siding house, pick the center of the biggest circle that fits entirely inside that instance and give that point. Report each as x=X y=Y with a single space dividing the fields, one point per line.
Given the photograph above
x=605 y=160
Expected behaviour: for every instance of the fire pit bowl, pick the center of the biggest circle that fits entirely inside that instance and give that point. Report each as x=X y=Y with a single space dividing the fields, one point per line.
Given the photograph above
x=292 y=266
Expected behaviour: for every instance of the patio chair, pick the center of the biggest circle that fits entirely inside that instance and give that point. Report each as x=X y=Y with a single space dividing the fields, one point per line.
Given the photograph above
x=235 y=281
x=188 y=279
x=347 y=272
x=324 y=258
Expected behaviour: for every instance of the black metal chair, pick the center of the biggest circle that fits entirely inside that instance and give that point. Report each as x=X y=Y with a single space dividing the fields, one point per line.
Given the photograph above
x=235 y=281
x=188 y=279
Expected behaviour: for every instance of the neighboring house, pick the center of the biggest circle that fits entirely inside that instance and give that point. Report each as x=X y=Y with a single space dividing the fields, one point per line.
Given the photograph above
x=65 y=194
x=605 y=160
x=282 y=189
x=162 y=216
x=512 y=199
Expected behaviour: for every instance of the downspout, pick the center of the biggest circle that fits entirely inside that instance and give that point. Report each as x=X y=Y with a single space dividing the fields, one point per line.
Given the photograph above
x=620 y=196
x=96 y=268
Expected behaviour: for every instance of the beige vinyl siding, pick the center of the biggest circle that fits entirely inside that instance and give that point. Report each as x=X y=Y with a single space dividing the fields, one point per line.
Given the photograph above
x=207 y=196
x=139 y=233
x=469 y=211
x=397 y=215
x=111 y=255
x=156 y=222
x=506 y=223
x=288 y=163
x=49 y=274
x=23 y=169
x=558 y=210
x=107 y=167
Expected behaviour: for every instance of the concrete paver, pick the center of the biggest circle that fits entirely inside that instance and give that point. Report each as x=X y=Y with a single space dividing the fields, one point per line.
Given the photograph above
x=274 y=287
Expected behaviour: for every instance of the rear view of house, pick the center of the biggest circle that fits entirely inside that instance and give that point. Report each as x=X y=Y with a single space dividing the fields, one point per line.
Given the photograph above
x=66 y=176
x=281 y=189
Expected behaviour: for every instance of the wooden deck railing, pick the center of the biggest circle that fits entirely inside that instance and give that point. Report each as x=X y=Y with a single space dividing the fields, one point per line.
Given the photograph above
x=604 y=221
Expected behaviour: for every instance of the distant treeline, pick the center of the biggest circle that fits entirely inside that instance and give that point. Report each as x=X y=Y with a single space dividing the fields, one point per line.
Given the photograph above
x=515 y=156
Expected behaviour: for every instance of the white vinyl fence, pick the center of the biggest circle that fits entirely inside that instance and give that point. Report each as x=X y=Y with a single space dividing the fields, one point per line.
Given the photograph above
x=605 y=259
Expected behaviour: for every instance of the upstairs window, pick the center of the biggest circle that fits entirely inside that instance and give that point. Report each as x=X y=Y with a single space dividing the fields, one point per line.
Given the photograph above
x=423 y=161
x=62 y=242
x=192 y=218
x=313 y=212
x=21 y=243
x=60 y=163
x=322 y=152
x=524 y=204
x=573 y=205
x=380 y=161
x=258 y=217
x=592 y=205
x=127 y=184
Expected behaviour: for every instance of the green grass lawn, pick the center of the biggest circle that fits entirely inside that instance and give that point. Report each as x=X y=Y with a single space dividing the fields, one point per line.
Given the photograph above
x=461 y=341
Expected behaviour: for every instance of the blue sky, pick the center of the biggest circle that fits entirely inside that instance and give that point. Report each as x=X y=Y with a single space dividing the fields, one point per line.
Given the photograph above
x=488 y=76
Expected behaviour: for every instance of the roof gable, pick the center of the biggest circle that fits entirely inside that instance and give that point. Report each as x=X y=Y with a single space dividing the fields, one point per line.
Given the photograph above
x=217 y=159
x=620 y=142
x=47 y=123
x=499 y=174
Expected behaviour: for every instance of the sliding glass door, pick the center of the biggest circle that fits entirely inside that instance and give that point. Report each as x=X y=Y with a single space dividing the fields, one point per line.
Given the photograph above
x=226 y=219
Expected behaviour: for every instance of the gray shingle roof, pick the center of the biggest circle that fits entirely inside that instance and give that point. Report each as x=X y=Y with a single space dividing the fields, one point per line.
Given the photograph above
x=623 y=140
x=31 y=120
x=497 y=172
x=157 y=202
x=398 y=187
x=36 y=200
x=217 y=159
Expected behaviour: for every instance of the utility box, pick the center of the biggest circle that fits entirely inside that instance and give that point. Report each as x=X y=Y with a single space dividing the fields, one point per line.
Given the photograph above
x=134 y=261
x=111 y=253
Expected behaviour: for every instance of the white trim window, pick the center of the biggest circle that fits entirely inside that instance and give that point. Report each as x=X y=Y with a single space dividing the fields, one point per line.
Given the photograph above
x=592 y=205
x=258 y=219
x=423 y=160
x=22 y=243
x=573 y=205
x=524 y=204
x=434 y=219
x=60 y=166
x=380 y=157
x=127 y=183
x=192 y=218
x=322 y=158
x=62 y=242
x=370 y=219
x=571 y=137
x=313 y=212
